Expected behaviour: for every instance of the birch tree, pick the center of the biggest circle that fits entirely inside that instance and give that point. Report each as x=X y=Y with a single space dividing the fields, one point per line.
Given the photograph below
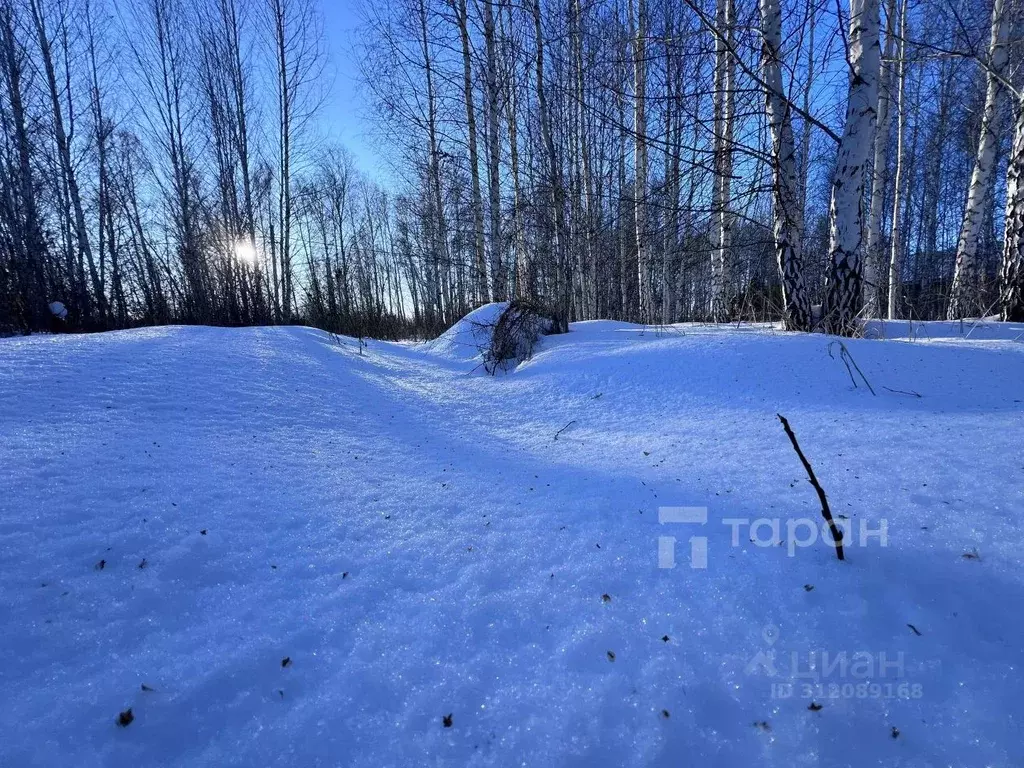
x=963 y=299
x=873 y=231
x=901 y=161
x=673 y=136
x=1011 y=273
x=621 y=155
x=786 y=186
x=721 y=230
x=843 y=291
x=638 y=15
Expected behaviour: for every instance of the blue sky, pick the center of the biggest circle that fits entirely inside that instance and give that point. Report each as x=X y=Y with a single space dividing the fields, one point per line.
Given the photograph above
x=343 y=117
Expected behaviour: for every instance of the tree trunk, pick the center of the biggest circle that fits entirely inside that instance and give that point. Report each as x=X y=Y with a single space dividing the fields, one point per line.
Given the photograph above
x=639 y=13
x=873 y=233
x=786 y=188
x=721 y=226
x=1011 y=274
x=439 y=228
x=805 y=136
x=563 y=285
x=29 y=244
x=524 y=284
x=64 y=156
x=901 y=170
x=499 y=280
x=673 y=138
x=587 y=266
x=285 y=100
x=964 y=299
x=479 y=256
x=843 y=292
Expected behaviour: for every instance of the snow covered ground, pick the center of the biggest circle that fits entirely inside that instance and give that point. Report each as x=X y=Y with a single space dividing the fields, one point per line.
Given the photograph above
x=277 y=551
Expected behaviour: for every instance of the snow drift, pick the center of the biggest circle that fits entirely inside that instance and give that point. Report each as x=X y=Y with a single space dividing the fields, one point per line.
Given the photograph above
x=469 y=337
x=500 y=335
x=276 y=551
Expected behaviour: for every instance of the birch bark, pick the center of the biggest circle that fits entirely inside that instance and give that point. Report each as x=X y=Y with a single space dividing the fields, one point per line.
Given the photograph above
x=963 y=299
x=640 y=157
x=901 y=171
x=873 y=234
x=721 y=232
x=1011 y=274
x=786 y=188
x=843 y=291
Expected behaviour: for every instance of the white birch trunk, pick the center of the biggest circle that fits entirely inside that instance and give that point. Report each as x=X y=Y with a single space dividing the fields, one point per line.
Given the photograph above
x=901 y=171
x=587 y=268
x=843 y=292
x=672 y=127
x=1011 y=274
x=963 y=300
x=721 y=225
x=640 y=158
x=805 y=137
x=873 y=233
x=786 y=188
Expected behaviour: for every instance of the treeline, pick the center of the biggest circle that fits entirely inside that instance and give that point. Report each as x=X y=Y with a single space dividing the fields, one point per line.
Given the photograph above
x=649 y=160
x=666 y=160
x=160 y=166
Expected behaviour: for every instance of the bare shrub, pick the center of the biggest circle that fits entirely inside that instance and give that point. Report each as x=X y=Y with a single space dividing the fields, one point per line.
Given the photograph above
x=514 y=335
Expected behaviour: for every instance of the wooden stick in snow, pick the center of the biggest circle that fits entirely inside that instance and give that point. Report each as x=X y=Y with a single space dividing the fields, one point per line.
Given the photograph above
x=564 y=428
x=837 y=535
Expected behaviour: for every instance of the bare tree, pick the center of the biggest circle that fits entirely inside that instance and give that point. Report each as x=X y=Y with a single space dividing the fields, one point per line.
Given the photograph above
x=879 y=175
x=843 y=294
x=295 y=31
x=786 y=187
x=964 y=299
x=1011 y=274
x=901 y=167
x=638 y=24
x=479 y=259
x=721 y=230
x=499 y=280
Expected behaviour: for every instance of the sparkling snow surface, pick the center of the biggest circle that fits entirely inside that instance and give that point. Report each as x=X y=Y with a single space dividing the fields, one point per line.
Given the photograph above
x=408 y=532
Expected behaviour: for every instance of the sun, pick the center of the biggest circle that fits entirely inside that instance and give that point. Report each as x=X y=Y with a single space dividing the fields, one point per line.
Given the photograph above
x=244 y=251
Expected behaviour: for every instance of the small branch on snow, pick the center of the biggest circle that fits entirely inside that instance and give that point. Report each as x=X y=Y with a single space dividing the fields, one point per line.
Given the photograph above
x=564 y=428
x=837 y=535
x=911 y=393
x=847 y=358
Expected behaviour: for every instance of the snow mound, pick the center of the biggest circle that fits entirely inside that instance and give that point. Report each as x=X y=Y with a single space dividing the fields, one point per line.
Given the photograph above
x=975 y=329
x=467 y=339
x=274 y=551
